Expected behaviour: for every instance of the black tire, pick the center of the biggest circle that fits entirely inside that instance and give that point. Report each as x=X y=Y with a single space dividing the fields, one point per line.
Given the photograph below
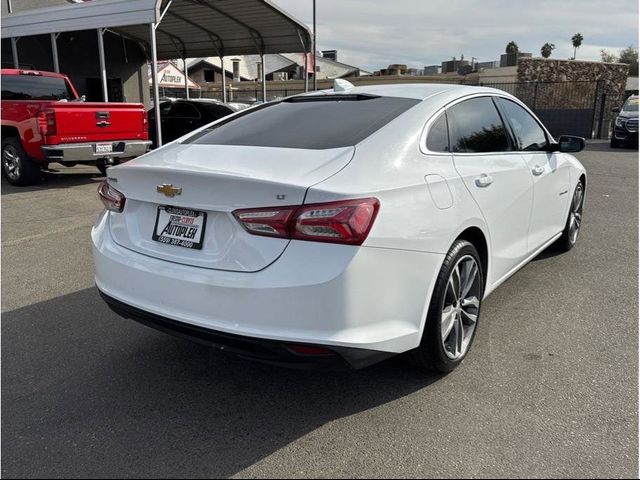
x=567 y=241
x=17 y=167
x=615 y=143
x=431 y=354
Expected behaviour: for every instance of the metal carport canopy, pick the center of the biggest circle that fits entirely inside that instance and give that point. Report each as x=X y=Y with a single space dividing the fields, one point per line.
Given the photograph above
x=189 y=28
x=170 y=29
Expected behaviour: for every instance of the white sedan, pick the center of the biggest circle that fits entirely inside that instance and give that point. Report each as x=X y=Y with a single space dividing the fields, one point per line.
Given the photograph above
x=340 y=227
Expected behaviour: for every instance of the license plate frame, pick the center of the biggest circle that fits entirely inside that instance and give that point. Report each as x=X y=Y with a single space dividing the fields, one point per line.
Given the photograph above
x=104 y=148
x=169 y=238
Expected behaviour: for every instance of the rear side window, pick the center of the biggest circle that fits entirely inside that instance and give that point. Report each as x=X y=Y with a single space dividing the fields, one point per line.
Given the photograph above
x=438 y=137
x=183 y=110
x=528 y=132
x=476 y=127
x=309 y=122
x=35 y=87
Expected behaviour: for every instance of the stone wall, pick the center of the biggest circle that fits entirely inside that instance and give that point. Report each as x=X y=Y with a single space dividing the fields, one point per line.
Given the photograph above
x=574 y=85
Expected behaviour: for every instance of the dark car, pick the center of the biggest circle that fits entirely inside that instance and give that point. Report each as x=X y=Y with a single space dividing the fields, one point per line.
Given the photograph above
x=179 y=117
x=625 y=128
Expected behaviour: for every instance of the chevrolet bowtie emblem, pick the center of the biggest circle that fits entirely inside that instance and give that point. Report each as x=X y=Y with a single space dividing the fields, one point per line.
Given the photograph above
x=168 y=189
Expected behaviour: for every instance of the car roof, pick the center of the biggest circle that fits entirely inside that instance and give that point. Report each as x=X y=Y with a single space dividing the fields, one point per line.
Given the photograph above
x=418 y=91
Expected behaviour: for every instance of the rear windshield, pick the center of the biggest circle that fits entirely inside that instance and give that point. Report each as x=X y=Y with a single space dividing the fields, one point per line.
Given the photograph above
x=310 y=122
x=33 y=87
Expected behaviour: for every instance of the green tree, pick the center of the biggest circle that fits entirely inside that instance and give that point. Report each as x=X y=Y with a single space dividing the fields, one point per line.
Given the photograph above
x=629 y=56
x=608 y=57
x=512 y=47
x=576 y=40
x=547 y=49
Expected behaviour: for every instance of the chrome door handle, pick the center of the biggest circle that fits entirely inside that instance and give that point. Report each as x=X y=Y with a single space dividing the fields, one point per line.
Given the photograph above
x=537 y=170
x=484 y=180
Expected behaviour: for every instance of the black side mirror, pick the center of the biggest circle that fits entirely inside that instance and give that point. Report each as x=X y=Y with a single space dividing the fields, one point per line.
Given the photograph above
x=570 y=144
x=616 y=110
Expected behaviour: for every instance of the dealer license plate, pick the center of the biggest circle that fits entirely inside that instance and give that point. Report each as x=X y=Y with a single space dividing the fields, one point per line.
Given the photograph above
x=104 y=148
x=181 y=227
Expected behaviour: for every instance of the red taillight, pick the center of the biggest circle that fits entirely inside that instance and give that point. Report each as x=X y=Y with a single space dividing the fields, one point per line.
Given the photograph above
x=346 y=221
x=145 y=122
x=111 y=198
x=47 y=122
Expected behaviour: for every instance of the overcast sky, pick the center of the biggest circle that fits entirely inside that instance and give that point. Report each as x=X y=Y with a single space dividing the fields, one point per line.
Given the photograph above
x=374 y=33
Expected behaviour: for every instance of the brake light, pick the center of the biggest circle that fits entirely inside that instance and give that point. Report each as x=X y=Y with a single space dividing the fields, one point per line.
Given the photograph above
x=47 y=122
x=145 y=122
x=346 y=221
x=112 y=199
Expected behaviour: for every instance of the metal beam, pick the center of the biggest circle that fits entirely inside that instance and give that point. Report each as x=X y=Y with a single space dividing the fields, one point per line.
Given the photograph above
x=217 y=42
x=103 y=68
x=54 y=52
x=306 y=72
x=255 y=35
x=264 y=79
x=186 y=81
x=154 y=79
x=224 y=80
x=14 y=52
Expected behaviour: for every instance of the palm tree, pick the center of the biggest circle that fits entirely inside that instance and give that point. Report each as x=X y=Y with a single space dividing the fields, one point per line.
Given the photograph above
x=577 y=41
x=546 y=49
x=512 y=47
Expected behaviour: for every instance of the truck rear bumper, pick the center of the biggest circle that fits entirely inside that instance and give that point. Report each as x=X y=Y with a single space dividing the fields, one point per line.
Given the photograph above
x=86 y=152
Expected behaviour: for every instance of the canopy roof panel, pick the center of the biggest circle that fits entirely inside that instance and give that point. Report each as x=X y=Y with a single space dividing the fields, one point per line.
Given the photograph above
x=189 y=28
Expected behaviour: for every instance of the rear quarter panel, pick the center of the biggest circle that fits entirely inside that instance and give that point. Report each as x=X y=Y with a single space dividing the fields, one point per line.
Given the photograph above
x=390 y=166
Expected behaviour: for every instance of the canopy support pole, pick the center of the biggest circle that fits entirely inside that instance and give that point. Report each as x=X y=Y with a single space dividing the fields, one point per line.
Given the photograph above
x=103 y=68
x=186 y=81
x=154 y=79
x=306 y=72
x=224 y=80
x=14 y=52
x=54 y=52
x=264 y=79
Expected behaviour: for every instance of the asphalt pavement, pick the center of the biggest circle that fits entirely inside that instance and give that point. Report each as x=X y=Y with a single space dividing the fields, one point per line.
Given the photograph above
x=550 y=387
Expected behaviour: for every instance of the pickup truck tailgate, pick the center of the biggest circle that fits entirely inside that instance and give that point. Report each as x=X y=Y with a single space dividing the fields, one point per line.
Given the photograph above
x=83 y=121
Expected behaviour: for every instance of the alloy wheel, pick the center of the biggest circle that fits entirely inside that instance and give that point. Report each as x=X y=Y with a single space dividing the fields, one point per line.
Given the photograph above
x=575 y=215
x=11 y=162
x=461 y=307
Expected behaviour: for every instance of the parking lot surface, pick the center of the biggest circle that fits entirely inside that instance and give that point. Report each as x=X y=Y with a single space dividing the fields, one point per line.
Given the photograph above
x=549 y=389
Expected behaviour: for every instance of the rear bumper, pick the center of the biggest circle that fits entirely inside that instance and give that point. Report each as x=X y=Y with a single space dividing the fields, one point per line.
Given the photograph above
x=261 y=350
x=372 y=299
x=86 y=152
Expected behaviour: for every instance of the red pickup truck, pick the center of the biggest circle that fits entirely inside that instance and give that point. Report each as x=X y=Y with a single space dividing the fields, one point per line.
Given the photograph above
x=44 y=120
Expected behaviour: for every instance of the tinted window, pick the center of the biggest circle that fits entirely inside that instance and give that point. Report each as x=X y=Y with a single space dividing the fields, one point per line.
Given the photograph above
x=33 y=87
x=314 y=122
x=529 y=134
x=631 y=105
x=438 y=138
x=475 y=126
x=215 y=112
x=183 y=110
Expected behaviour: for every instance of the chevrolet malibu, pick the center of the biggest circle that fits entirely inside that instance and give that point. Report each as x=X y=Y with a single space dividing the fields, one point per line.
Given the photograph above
x=341 y=227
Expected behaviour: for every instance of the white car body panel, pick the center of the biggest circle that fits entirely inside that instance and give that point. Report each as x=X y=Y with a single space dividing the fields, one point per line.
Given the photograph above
x=373 y=296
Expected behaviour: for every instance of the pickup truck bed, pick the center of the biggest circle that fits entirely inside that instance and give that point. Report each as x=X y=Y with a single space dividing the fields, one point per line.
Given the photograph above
x=43 y=121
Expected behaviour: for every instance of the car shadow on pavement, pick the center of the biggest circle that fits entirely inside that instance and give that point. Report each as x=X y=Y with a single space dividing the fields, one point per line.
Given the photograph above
x=88 y=393
x=55 y=179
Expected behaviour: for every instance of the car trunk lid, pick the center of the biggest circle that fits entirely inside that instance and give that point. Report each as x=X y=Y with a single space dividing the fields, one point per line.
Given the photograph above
x=215 y=180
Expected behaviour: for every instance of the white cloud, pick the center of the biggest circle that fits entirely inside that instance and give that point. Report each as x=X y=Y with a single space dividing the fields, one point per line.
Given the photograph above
x=375 y=33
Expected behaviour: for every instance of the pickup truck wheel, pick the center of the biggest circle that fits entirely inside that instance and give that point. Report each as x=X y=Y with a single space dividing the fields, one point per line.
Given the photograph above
x=17 y=167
